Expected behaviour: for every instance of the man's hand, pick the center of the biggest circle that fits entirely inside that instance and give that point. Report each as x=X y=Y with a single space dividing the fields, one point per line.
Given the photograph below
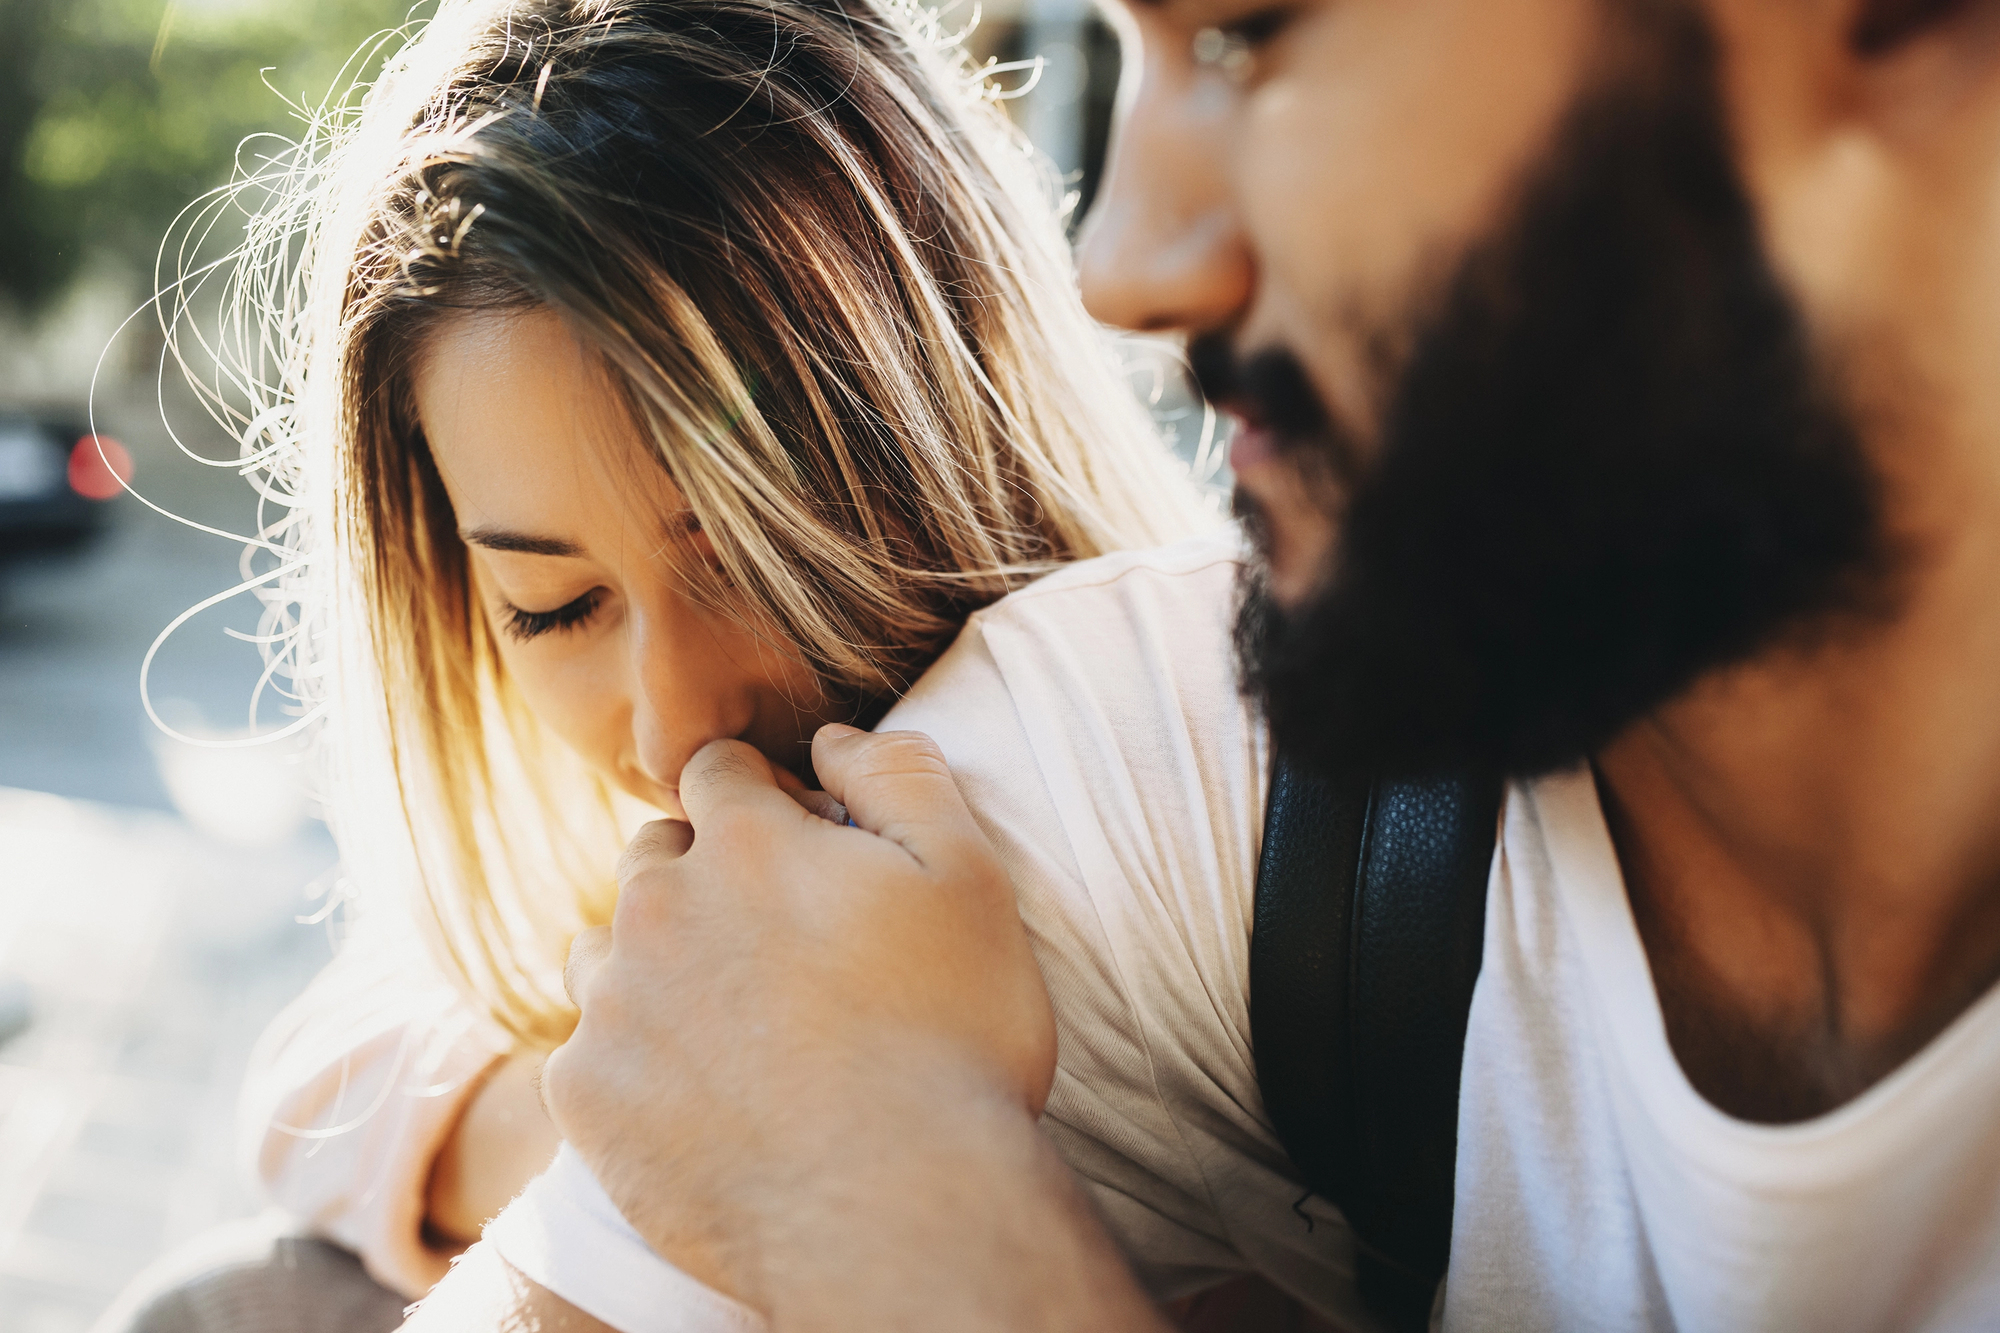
x=811 y=1056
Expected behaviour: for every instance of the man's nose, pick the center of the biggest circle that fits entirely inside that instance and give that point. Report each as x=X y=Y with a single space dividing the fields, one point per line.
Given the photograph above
x=1163 y=248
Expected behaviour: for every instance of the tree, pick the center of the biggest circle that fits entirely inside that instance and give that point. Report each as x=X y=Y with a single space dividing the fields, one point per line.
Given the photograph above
x=115 y=114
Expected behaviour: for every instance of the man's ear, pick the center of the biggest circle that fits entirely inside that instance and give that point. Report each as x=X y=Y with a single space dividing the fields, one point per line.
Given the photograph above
x=1880 y=26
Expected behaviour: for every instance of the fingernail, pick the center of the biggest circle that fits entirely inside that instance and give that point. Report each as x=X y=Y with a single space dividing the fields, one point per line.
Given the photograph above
x=839 y=730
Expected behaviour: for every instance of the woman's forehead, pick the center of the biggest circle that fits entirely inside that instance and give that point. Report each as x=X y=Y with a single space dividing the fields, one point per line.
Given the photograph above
x=532 y=440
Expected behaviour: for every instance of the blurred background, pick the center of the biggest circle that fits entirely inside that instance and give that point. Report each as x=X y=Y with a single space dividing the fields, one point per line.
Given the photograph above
x=159 y=901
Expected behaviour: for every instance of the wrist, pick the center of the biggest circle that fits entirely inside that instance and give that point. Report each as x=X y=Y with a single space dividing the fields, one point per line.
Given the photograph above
x=747 y=1213
x=499 y=1140
x=928 y=1171
x=910 y=1189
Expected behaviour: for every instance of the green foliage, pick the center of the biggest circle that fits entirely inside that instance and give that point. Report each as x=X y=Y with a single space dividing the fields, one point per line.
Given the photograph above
x=115 y=114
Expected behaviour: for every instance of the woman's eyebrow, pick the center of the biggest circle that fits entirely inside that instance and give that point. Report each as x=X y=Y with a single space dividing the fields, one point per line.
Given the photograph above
x=500 y=539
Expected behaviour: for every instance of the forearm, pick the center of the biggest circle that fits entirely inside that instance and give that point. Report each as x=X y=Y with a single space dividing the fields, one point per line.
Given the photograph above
x=483 y=1293
x=353 y=1092
x=501 y=1142
x=967 y=1221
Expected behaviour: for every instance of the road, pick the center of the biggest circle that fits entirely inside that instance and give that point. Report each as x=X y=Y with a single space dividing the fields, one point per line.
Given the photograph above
x=150 y=896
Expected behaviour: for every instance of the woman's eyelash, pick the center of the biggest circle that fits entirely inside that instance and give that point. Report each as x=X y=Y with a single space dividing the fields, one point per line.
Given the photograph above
x=525 y=625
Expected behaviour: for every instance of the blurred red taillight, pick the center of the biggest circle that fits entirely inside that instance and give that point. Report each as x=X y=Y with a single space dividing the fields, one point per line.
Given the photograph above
x=99 y=467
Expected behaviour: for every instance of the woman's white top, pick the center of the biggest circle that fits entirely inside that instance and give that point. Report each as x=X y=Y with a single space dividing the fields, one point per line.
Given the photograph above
x=1092 y=722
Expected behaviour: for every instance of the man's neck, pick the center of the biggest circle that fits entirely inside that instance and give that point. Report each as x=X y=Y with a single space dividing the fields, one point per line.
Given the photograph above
x=1810 y=845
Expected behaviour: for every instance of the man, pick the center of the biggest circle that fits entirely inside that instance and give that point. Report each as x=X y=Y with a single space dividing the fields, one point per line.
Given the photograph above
x=1616 y=417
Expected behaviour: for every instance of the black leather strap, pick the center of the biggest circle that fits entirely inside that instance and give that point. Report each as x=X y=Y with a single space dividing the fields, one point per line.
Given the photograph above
x=1370 y=920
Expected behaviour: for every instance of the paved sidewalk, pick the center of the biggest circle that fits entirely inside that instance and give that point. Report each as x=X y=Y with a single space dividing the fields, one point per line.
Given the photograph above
x=156 y=943
x=155 y=956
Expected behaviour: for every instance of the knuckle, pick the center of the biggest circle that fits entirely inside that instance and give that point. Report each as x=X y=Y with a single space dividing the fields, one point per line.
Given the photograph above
x=721 y=761
x=733 y=832
x=654 y=834
x=916 y=745
x=557 y=1086
x=571 y=1085
x=632 y=865
x=654 y=847
x=906 y=752
x=587 y=952
x=638 y=912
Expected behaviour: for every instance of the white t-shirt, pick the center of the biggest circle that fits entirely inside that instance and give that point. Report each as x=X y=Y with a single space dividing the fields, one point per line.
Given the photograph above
x=1598 y=1190
x=1111 y=760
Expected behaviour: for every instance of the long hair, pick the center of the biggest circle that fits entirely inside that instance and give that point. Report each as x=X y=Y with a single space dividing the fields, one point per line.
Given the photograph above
x=830 y=287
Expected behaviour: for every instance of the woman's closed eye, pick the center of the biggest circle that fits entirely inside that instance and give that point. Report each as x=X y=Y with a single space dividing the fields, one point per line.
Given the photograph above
x=524 y=625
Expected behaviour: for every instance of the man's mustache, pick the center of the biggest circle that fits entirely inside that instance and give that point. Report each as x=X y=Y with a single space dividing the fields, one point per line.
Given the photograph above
x=1270 y=389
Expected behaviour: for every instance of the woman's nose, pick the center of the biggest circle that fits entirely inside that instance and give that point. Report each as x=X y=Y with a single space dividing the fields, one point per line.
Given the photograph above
x=654 y=744
x=1163 y=249
x=681 y=698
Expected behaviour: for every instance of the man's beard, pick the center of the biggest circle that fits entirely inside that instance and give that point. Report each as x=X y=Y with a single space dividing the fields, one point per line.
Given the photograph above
x=1608 y=465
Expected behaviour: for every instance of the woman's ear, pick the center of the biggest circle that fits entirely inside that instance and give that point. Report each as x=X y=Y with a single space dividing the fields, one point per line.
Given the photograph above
x=1880 y=26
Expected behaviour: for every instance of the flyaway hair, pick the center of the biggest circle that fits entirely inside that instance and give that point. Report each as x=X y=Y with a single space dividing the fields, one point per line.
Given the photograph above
x=823 y=278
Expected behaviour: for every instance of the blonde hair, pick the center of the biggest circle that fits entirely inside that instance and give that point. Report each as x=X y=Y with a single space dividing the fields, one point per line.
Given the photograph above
x=830 y=287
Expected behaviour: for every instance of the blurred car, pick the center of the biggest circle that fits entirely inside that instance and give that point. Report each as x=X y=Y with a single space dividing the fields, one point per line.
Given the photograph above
x=54 y=478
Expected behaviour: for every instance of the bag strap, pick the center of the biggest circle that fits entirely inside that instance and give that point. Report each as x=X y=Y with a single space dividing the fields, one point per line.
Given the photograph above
x=1370 y=923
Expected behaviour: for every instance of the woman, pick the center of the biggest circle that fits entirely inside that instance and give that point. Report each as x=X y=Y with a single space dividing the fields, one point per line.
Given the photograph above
x=697 y=368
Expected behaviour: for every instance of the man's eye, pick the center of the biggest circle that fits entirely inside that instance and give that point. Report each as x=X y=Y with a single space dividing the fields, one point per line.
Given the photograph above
x=525 y=625
x=1259 y=28
x=1231 y=49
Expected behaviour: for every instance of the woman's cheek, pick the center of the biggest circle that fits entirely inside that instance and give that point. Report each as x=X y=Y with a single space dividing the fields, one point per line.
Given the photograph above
x=569 y=695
